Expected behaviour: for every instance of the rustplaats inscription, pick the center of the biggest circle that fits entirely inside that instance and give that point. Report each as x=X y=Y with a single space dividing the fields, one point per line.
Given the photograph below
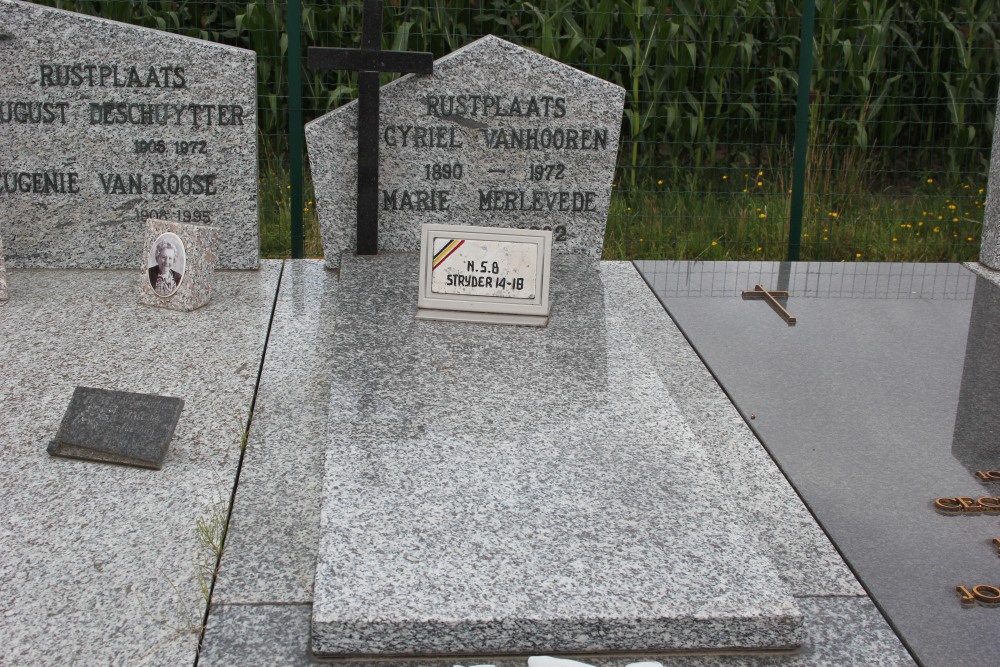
x=106 y=125
x=496 y=136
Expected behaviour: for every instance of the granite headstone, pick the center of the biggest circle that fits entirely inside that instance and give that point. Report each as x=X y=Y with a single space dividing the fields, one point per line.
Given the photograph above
x=104 y=125
x=989 y=249
x=178 y=265
x=3 y=275
x=497 y=136
x=117 y=427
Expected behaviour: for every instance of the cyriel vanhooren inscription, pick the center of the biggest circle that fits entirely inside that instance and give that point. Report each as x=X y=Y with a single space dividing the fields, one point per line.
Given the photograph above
x=105 y=125
x=497 y=136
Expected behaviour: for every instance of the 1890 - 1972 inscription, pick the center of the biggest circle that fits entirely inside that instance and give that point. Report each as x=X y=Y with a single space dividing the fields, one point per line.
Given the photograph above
x=107 y=125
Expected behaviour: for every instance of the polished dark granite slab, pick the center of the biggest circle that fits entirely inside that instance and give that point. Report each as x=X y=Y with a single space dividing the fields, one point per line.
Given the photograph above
x=882 y=397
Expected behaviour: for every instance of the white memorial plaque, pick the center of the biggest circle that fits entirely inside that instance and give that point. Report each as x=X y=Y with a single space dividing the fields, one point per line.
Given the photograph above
x=483 y=274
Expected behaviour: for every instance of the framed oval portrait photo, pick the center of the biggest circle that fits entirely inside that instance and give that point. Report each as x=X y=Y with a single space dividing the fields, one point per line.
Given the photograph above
x=166 y=264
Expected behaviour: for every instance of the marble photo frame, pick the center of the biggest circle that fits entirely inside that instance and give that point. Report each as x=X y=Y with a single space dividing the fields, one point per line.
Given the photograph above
x=178 y=264
x=165 y=264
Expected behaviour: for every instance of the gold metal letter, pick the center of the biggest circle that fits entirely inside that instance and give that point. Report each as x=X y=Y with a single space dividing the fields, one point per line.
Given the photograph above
x=987 y=594
x=969 y=505
x=967 y=597
x=990 y=504
x=947 y=504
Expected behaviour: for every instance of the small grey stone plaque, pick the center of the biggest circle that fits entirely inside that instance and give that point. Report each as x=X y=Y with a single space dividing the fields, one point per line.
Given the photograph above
x=105 y=124
x=117 y=427
x=497 y=136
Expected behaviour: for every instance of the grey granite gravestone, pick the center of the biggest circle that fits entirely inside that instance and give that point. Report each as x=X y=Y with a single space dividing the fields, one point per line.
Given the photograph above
x=117 y=427
x=497 y=136
x=104 y=125
x=178 y=265
x=3 y=275
x=989 y=249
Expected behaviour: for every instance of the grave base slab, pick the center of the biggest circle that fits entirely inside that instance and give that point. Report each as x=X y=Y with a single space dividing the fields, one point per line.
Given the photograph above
x=519 y=490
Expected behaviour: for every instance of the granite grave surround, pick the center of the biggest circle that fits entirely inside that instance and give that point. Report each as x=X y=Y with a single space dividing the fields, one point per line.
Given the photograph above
x=101 y=564
x=467 y=507
x=262 y=606
x=105 y=124
x=498 y=135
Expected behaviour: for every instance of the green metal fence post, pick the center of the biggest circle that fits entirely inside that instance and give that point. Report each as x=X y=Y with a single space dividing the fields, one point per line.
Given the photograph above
x=801 y=131
x=294 y=60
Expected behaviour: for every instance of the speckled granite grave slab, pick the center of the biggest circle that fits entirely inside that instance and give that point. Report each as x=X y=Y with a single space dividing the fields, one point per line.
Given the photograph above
x=274 y=531
x=104 y=125
x=498 y=135
x=513 y=490
x=100 y=565
x=193 y=248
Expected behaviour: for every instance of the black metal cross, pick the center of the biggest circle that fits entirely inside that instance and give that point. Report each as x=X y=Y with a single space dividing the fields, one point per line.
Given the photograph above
x=369 y=60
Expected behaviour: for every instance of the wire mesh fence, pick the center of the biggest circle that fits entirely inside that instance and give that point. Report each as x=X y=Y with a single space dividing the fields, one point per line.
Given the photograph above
x=901 y=105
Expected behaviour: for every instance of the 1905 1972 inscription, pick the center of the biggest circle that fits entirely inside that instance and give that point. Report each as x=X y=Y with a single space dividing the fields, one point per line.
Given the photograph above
x=106 y=125
x=496 y=136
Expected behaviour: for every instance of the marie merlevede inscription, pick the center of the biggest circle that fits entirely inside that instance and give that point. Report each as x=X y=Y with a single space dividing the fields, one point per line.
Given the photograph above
x=104 y=125
x=497 y=136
